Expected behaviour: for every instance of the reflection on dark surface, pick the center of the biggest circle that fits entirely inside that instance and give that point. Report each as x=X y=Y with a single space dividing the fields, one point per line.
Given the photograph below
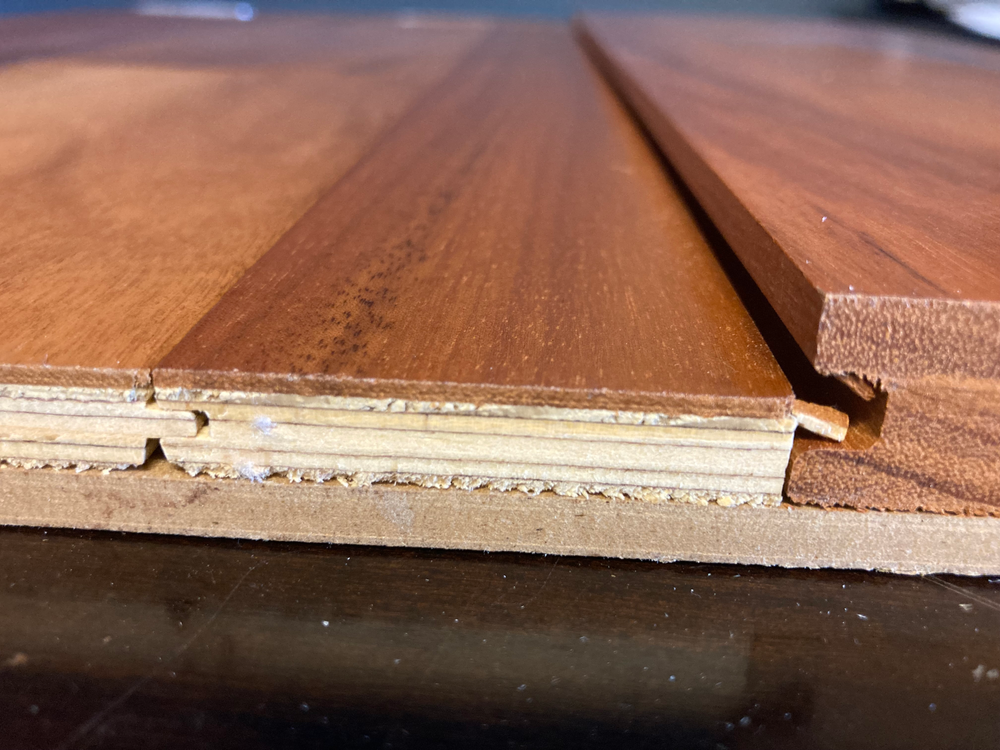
x=113 y=640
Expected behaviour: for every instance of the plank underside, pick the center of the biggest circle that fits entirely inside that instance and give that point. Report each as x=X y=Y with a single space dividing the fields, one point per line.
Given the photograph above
x=160 y=498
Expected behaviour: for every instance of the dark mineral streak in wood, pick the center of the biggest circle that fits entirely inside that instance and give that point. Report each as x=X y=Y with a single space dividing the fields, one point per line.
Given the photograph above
x=511 y=240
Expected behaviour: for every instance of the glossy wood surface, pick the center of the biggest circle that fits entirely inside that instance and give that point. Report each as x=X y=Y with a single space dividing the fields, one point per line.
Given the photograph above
x=145 y=164
x=112 y=641
x=855 y=171
x=512 y=240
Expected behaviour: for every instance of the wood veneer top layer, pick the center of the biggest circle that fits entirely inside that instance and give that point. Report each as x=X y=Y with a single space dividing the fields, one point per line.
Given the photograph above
x=855 y=171
x=146 y=163
x=513 y=239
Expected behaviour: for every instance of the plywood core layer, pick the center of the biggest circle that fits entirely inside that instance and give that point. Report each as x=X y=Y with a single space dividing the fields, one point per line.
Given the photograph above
x=730 y=460
x=84 y=427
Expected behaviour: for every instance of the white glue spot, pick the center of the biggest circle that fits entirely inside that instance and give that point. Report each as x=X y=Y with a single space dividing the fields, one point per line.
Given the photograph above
x=251 y=472
x=263 y=425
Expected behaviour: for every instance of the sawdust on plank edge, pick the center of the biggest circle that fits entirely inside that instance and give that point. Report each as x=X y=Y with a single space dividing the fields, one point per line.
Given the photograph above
x=61 y=465
x=527 y=486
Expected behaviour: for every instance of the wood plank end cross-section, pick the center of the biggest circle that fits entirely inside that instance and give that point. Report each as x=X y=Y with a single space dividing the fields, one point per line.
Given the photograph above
x=505 y=291
x=145 y=164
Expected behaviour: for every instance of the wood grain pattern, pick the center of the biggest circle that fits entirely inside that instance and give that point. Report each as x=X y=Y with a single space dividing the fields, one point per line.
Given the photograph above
x=144 y=165
x=512 y=241
x=854 y=170
x=161 y=498
x=141 y=175
x=932 y=446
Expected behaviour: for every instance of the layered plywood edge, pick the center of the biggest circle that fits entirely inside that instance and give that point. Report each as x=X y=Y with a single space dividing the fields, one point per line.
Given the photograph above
x=103 y=428
x=481 y=318
x=728 y=460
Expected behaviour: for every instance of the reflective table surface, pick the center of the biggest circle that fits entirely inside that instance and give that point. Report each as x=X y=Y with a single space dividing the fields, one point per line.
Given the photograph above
x=114 y=641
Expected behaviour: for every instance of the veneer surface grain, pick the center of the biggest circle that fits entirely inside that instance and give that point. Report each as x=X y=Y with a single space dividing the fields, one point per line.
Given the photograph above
x=855 y=170
x=513 y=241
x=141 y=176
x=144 y=165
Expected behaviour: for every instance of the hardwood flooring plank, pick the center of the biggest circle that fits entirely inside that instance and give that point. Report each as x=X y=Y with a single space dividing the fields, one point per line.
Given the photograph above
x=146 y=163
x=140 y=179
x=855 y=170
x=512 y=241
x=511 y=244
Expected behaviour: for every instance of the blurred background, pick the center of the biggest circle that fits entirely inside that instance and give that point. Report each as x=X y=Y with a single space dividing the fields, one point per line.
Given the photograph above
x=968 y=17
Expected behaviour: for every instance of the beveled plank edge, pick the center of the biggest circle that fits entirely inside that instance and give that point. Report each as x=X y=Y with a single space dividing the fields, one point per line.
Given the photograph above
x=160 y=498
x=844 y=335
x=756 y=248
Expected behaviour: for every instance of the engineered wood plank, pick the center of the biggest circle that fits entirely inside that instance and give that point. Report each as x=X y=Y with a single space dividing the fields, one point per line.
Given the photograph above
x=135 y=193
x=855 y=170
x=160 y=498
x=511 y=244
x=146 y=163
x=513 y=238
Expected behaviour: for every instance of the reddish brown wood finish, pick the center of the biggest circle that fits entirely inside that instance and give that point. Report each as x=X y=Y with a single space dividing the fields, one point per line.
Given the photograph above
x=854 y=170
x=146 y=163
x=512 y=240
x=935 y=447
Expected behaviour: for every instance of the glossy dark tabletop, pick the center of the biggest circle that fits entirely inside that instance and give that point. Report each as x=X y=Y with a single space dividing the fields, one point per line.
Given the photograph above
x=111 y=640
